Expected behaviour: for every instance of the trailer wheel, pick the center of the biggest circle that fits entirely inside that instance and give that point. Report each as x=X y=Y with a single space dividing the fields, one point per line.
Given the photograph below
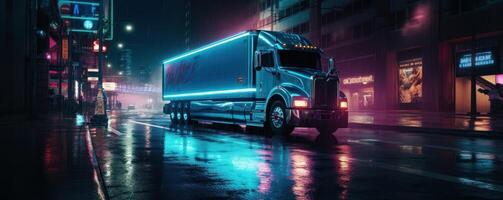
x=179 y=113
x=276 y=118
x=186 y=113
x=172 y=112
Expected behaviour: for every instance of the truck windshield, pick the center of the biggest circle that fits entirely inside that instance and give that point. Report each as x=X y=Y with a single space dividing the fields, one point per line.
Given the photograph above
x=304 y=59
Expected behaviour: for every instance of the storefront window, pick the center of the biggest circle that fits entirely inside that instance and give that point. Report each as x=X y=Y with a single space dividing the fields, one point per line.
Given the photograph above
x=410 y=80
x=360 y=90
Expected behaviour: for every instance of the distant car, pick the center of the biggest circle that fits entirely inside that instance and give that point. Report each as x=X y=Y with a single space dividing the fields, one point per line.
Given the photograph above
x=131 y=107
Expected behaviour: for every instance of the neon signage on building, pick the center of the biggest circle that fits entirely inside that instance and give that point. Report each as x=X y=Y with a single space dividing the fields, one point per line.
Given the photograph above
x=358 y=80
x=484 y=58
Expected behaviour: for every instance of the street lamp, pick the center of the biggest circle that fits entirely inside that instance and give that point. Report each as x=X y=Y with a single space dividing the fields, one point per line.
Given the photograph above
x=129 y=28
x=109 y=65
x=120 y=45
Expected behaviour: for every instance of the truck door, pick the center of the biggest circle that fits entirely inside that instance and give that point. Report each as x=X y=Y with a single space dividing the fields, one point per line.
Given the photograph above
x=266 y=75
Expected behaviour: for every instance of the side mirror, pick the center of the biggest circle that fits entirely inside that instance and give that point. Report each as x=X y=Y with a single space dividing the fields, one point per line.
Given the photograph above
x=331 y=66
x=258 y=61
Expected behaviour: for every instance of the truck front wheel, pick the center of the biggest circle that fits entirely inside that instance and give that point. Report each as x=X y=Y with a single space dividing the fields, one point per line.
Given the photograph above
x=276 y=118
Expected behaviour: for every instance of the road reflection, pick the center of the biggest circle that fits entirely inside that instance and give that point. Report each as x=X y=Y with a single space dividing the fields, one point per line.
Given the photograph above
x=301 y=174
x=264 y=168
x=343 y=161
x=238 y=163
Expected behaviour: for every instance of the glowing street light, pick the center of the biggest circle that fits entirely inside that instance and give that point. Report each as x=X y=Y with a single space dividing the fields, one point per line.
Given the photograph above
x=128 y=27
x=109 y=65
x=120 y=45
x=120 y=73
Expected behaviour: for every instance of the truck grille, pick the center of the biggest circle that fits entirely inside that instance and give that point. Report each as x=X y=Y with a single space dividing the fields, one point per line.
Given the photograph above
x=325 y=93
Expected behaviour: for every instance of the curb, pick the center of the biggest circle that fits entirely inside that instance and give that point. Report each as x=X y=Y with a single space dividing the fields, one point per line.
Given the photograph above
x=435 y=131
x=103 y=193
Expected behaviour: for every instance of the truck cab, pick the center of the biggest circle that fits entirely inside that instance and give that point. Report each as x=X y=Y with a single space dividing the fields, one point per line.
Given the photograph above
x=256 y=78
x=290 y=77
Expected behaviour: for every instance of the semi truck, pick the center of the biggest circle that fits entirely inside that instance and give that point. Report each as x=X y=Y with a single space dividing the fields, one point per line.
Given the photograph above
x=268 y=79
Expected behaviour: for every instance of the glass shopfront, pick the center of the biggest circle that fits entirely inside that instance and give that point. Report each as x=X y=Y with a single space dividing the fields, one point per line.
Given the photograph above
x=410 y=78
x=359 y=91
x=486 y=68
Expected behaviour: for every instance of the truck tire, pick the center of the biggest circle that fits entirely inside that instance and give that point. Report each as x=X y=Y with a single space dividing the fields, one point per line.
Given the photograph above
x=179 y=113
x=186 y=113
x=172 y=113
x=326 y=129
x=276 y=119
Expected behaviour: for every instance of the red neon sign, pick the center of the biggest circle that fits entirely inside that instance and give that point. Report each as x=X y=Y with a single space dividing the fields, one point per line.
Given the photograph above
x=96 y=46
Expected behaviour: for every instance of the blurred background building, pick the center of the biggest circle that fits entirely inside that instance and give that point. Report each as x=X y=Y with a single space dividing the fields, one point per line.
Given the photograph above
x=401 y=55
x=392 y=54
x=49 y=54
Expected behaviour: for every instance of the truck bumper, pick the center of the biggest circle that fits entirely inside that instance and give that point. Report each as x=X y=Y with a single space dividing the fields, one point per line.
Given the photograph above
x=314 y=117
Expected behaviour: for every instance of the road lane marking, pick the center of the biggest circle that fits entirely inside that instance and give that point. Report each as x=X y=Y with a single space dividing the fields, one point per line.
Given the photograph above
x=115 y=131
x=375 y=141
x=433 y=175
x=151 y=125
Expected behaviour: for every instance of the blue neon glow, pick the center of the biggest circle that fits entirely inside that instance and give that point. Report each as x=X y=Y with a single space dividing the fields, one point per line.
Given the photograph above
x=481 y=59
x=77 y=2
x=88 y=24
x=207 y=47
x=244 y=90
x=265 y=40
x=83 y=31
x=76 y=10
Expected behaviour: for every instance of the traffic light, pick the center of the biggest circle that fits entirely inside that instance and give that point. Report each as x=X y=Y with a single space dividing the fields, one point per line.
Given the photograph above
x=96 y=47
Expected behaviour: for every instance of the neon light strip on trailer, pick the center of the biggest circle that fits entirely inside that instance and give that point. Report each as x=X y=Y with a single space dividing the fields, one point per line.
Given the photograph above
x=244 y=90
x=207 y=47
x=265 y=40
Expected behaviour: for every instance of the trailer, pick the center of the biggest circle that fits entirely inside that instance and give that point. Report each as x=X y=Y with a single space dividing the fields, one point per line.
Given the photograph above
x=257 y=78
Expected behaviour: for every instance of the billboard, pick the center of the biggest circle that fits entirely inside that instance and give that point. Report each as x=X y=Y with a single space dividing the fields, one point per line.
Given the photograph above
x=82 y=16
x=358 y=80
x=410 y=78
x=485 y=63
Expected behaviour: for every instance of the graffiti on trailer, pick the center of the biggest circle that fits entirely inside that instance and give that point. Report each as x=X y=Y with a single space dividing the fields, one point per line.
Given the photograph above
x=183 y=71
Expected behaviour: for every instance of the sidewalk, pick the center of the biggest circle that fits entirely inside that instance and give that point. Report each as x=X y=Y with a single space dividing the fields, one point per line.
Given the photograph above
x=50 y=159
x=441 y=123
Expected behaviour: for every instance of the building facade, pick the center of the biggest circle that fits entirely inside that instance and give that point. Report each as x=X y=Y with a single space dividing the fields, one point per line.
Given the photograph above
x=401 y=55
x=30 y=40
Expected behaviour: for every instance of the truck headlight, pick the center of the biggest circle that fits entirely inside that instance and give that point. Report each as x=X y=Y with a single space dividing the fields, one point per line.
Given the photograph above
x=300 y=103
x=343 y=104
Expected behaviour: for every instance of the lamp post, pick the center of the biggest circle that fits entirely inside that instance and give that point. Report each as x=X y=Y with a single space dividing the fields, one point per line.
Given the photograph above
x=100 y=113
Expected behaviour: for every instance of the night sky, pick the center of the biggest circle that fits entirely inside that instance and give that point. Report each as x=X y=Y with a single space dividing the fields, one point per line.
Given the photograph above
x=159 y=25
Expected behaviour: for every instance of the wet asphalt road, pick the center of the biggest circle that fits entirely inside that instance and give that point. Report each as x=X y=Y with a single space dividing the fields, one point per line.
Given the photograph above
x=143 y=157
